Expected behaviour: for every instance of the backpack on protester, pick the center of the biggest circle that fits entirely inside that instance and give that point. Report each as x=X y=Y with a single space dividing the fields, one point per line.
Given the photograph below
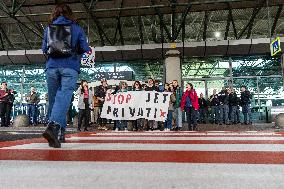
x=59 y=41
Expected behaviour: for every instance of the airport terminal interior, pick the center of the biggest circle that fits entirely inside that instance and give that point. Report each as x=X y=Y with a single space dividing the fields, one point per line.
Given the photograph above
x=209 y=43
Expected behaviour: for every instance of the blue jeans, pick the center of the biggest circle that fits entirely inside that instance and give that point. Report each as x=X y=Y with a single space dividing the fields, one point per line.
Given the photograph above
x=61 y=82
x=224 y=114
x=215 y=114
x=202 y=115
x=32 y=113
x=169 y=120
x=178 y=117
x=247 y=113
x=121 y=125
x=233 y=114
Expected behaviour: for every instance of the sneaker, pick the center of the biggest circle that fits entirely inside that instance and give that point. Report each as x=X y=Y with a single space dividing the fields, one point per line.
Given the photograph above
x=116 y=130
x=51 y=135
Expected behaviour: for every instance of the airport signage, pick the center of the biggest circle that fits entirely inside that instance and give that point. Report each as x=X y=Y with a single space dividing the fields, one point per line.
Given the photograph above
x=275 y=46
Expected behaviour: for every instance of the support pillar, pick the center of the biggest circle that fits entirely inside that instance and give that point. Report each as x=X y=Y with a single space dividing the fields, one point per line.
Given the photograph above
x=173 y=67
x=231 y=83
x=282 y=68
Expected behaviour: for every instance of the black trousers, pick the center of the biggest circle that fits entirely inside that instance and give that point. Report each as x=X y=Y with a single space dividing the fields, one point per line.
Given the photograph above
x=191 y=115
x=102 y=121
x=5 y=114
x=84 y=114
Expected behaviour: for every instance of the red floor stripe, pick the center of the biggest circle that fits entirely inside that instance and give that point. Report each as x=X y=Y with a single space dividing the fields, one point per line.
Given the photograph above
x=182 y=141
x=166 y=136
x=145 y=156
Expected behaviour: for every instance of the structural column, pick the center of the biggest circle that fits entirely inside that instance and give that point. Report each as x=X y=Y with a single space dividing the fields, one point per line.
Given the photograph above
x=282 y=68
x=173 y=66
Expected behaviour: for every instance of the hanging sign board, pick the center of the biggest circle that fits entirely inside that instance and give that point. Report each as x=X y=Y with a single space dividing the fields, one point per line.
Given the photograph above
x=275 y=46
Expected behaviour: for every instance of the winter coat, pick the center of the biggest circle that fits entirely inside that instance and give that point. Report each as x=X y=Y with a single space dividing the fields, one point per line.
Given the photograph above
x=245 y=98
x=101 y=93
x=193 y=98
x=202 y=103
x=81 y=104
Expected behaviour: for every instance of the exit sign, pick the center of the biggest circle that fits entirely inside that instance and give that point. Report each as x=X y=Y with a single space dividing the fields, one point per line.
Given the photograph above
x=275 y=46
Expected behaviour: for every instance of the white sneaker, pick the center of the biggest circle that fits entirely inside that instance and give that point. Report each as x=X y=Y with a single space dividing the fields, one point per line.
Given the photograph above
x=116 y=130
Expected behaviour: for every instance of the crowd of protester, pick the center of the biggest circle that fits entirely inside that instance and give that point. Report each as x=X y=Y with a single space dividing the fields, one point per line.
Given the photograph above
x=220 y=108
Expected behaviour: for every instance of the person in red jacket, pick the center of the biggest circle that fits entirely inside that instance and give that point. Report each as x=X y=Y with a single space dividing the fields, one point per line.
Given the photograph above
x=189 y=103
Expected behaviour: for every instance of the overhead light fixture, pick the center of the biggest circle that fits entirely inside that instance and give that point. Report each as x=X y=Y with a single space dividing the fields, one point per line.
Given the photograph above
x=217 y=34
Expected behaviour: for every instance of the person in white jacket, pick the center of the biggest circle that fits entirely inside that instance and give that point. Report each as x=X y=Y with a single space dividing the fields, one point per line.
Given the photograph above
x=84 y=104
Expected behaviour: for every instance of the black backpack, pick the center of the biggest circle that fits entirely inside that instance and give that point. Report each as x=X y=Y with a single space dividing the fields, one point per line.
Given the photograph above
x=59 y=41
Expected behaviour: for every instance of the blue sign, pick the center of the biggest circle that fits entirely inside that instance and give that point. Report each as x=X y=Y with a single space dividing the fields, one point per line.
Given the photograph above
x=275 y=46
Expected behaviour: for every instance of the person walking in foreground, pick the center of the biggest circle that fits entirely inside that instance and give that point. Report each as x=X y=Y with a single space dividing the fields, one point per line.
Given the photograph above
x=64 y=42
x=189 y=103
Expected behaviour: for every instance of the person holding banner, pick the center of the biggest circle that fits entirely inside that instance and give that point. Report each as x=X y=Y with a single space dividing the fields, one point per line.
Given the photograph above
x=138 y=124
x=168 y=122
x=121 y=125
x=151 y=125
x=189 y=103
x=84 y=103
x=177 y=90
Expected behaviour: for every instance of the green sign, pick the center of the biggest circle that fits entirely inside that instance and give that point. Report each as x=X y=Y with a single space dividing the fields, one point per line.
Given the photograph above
x=275 y=46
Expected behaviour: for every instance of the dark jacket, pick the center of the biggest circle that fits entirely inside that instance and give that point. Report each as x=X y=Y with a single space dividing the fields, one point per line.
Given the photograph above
x=32 y=98
x=10 y=98
x=202 y=103
x=153 y=88
x=245 y=97
x=223 y=97
x=178 y=94
x=214 y=100
x=233 y=99
x=100 y=92
x=78 y=38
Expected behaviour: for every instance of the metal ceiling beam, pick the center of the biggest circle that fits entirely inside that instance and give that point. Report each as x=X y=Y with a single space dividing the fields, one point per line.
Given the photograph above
x=174 y=28
x=205 y=25
x=2 y=42
x=5 y=9
x=227 y=27
x=16 y=9
x=184 y=15
x=250 y=23
x=140 y=30
x=232 y=20
x=6 y=37
x=162 y=20
x=98 y=24
x=23 y=33
x=276 y=19
x=119 y=25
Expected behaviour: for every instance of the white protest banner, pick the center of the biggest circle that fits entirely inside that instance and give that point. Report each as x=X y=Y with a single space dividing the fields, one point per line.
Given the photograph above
x=133 y=105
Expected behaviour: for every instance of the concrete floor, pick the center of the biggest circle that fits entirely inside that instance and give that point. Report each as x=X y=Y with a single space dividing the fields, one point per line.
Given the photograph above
x=90 y=175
